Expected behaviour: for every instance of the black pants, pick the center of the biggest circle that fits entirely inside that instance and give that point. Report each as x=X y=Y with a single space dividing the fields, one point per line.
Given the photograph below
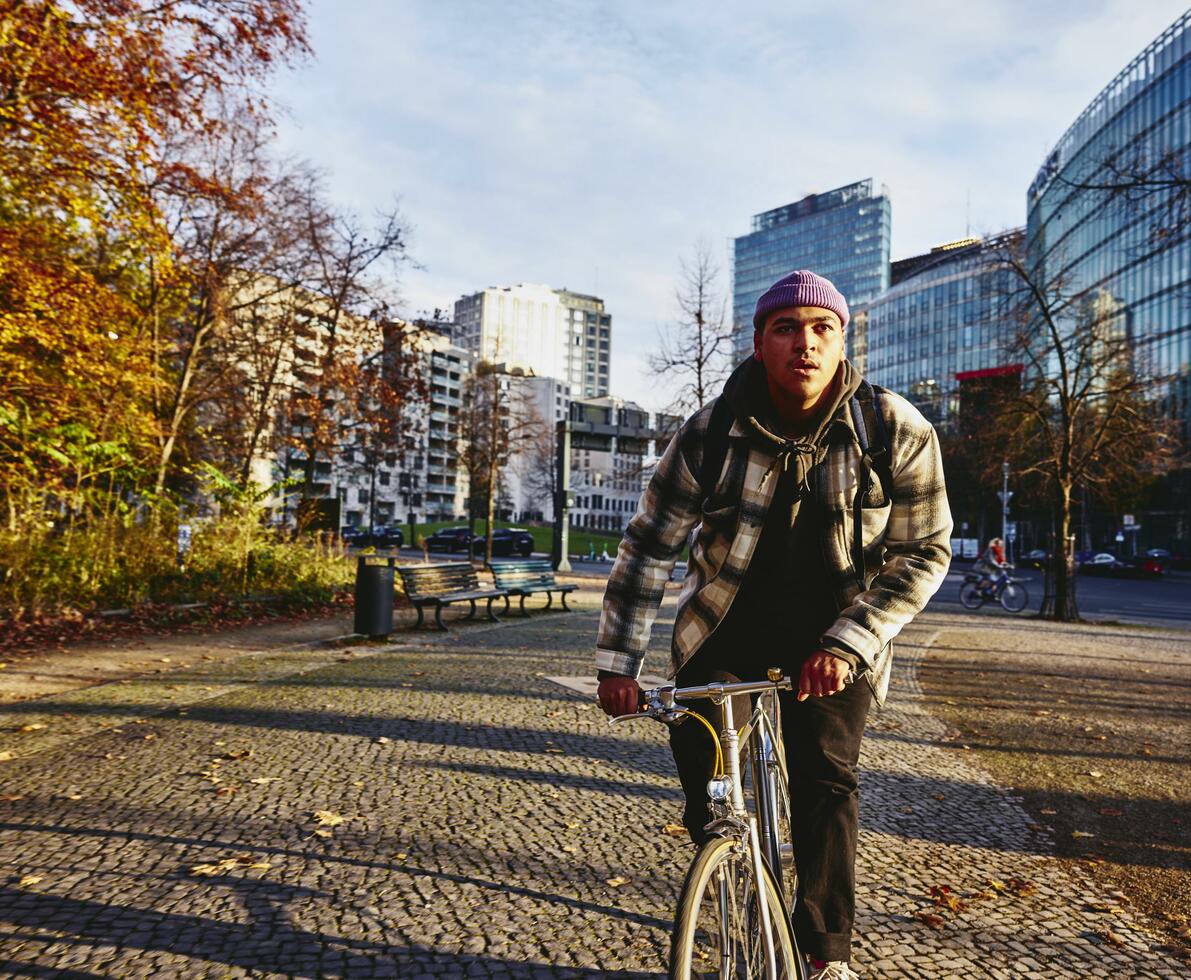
x=822 y=740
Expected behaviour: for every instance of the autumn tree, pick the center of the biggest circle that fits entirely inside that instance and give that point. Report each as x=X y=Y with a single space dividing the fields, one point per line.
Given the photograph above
x=90 y=92
x=694 y=353
x=1084 y=414
x=497 y=423
x=347 y=322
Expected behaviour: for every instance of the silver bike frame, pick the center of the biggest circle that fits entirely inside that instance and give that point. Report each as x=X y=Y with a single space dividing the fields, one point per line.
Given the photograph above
x=662 y=704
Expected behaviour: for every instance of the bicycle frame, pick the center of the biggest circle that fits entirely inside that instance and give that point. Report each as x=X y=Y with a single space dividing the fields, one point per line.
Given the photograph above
x=727 y=789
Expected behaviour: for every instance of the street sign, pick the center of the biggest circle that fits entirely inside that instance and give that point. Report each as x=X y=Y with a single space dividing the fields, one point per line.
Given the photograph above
x=1011 y=530
x=1128 y=520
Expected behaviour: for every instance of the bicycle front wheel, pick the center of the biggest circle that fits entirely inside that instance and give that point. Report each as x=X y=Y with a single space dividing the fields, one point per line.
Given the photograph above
x=969 y=596
x=1014 y=597
x=718 y=930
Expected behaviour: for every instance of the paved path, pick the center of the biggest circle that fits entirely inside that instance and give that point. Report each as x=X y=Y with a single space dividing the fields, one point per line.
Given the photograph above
x=488 y=817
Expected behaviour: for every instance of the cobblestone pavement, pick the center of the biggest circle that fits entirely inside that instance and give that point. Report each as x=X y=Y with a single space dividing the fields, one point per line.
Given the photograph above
x=489 y=818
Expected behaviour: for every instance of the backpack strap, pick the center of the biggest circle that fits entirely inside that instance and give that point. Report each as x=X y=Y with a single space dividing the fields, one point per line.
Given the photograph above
x=715 y=446
x=874 y=458
x=872 y=435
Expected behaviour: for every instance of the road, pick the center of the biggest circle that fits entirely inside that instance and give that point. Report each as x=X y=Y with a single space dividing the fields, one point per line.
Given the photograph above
x=1162 y=602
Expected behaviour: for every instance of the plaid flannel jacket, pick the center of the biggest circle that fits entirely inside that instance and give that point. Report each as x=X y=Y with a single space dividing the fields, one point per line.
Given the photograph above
x=907 y=545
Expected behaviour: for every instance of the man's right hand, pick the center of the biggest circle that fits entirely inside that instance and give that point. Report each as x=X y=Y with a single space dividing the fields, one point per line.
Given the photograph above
x=620 y=696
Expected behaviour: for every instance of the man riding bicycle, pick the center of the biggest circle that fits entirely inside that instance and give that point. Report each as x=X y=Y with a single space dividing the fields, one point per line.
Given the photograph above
x=822 y=530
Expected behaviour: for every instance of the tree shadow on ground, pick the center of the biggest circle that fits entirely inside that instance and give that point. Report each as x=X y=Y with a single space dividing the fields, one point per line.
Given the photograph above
x=268 y=943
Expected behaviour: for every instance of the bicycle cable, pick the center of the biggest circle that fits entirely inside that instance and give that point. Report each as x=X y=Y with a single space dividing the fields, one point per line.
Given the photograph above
x=715 y=739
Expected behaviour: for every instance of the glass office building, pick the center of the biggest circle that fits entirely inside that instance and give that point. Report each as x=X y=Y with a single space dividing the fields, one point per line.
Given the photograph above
x=941 y=319
x=842 y=234
x=1132 y=252
x=1131 y=255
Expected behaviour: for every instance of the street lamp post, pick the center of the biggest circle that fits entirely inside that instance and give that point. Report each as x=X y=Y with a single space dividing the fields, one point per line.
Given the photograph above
x=1006 y=495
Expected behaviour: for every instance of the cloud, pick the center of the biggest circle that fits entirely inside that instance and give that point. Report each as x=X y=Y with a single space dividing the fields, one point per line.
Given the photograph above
x=589 y=145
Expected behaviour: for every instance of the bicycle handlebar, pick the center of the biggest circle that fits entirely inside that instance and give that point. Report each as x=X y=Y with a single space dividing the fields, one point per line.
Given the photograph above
x=659 y=703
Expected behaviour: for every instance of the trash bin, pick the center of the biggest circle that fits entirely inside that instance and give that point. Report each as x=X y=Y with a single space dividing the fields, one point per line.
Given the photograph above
x=374 y=595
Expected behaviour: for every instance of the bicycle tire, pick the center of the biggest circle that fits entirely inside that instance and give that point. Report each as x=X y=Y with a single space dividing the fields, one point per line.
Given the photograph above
x=1014 y=597
x=969 y=596
x=705 y=941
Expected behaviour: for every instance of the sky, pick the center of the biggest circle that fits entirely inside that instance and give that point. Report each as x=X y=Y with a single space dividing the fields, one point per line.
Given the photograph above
x=591 y=145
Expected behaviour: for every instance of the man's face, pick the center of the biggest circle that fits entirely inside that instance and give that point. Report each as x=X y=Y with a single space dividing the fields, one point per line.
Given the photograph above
x=801 y=348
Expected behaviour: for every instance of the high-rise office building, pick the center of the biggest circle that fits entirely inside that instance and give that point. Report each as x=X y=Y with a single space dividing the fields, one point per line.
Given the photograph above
x=555 y=332
x=942 y=317
x=1130 y=254
x=842 y=234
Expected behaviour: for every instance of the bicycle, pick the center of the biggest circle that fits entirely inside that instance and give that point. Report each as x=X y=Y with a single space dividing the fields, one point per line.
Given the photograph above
x=1007 y=590
x=733 y=919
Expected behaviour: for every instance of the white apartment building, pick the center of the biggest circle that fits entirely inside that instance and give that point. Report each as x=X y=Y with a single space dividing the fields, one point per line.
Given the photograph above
x=419 y=474
x=554 y=332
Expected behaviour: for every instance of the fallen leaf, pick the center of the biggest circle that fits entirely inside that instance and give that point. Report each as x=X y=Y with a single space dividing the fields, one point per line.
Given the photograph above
x=1048 y=812
x=574 y=824
x=402 y=855
x=944 y=897
x=1021 y=887
x=940 y=796
x=906 y=809
x=36 y=726
x=238 y=754
x=1081 y=833
x=674 y=830
x=326 y=818
x=997 y=886
x=322 y=833
x=568 y=849
x=6 y=756
x=1110 y=936
x=1094 y=773
x=1110 y=811
x=617 y=881
x=240 y=861
x=382 y=740
x=932 y=920
x=262 y=780
x=28 y=880
x=11 y=799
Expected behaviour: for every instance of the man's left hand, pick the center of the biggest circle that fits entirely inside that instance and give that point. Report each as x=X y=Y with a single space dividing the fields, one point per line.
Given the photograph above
x=823 y=674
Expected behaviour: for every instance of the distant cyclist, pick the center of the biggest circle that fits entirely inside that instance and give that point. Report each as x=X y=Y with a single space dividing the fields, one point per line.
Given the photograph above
x=993 y=567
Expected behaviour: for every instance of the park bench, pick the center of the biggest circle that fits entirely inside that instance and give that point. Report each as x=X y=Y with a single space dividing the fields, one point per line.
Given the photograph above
x=525 y=576
x=441 y=584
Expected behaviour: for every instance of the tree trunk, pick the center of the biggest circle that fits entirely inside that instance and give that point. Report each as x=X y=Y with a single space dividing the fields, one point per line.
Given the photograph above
x=1058 y=601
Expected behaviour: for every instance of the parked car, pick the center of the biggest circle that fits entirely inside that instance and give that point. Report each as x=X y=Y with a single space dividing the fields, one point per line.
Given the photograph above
x=1110 y=566
x=506 y=542
x=1038 y=558
x=388 y=536
x=381 y=536
x=449 y=539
